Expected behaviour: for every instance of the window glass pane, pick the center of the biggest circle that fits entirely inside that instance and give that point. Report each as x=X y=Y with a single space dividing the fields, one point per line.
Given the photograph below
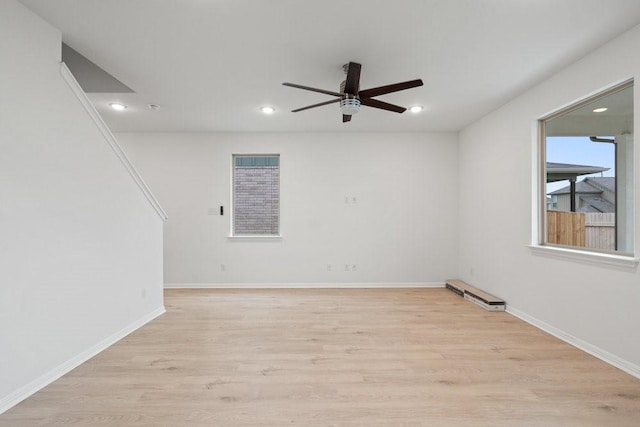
x=256 y=196
x=589 y=174
x=257 y=160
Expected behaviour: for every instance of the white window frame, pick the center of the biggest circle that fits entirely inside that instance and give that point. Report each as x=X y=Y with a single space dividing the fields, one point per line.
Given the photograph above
x=256 y=237
x=539 y=229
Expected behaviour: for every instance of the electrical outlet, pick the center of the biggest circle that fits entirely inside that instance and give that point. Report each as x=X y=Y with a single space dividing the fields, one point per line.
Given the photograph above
x=354 y=267
x=328 y=267
x=223 y=267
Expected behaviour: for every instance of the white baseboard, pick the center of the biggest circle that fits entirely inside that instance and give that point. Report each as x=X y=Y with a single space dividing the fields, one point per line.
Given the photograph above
x=605 y=356
x=27 y=390
x=302 y=285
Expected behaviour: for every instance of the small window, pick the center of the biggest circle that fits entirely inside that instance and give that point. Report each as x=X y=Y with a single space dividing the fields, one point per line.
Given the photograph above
x=256 y=195
x=588 y=174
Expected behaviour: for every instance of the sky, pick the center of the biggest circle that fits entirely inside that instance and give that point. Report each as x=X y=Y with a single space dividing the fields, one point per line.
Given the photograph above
x=579 y=151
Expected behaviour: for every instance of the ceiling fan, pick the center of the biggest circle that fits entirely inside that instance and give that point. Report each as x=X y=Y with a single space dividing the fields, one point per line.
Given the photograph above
x=351 y=97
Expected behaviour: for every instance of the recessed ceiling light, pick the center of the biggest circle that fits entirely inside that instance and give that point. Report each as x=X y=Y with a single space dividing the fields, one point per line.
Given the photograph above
x=153 y=106
x=600 y=110
x=267 y=109
x=416 y=108
x=118 y=107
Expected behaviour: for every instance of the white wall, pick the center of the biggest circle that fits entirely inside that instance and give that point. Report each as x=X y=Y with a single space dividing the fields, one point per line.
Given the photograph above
x=402 y=230
x=80 y=244
x=592 y=305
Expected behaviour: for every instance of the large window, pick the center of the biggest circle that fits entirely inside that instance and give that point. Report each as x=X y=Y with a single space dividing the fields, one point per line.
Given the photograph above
x=587 y=200
x=256 y=195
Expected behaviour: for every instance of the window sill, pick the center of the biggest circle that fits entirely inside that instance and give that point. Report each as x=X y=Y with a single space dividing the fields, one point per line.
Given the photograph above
x=587 y=257
x=255 y=238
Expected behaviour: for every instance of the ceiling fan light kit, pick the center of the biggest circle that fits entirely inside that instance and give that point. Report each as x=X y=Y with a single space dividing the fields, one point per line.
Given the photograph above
x=350 y=106
x=351 y=97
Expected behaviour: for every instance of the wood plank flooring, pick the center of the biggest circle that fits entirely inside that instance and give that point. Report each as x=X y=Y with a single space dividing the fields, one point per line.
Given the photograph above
x=335 y=357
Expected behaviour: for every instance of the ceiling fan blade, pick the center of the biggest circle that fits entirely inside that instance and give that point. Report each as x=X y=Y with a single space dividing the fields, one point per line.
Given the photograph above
x=352 y=84
x=382 y=105
x=316 y=105
x=396 y=87
x=346 y=118
x=313 y=89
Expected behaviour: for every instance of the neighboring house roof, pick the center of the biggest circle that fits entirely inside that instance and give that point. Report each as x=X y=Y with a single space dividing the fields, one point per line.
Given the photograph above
x=603 y=182
x=596 y=204
x=589 y=190
x=592 y=184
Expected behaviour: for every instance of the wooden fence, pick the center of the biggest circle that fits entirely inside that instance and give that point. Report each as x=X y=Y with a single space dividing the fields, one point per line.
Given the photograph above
x=566 y=228
x=588 y=230
x=600 y=230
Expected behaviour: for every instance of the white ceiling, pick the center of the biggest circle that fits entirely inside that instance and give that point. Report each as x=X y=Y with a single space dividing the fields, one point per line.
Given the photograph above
x=210 y=64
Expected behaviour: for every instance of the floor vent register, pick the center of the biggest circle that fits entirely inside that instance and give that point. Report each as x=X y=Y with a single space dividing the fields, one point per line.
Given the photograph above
x=475 y=295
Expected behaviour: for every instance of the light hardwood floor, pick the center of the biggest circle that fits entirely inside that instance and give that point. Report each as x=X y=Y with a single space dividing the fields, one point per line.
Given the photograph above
x=334 y=357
